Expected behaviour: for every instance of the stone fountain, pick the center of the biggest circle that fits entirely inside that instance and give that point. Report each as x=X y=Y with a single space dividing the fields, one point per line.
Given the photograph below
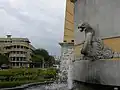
x=98 y=64
x=95 y=66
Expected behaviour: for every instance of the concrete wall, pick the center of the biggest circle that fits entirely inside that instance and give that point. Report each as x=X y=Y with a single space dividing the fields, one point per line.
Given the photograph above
x=104 y=15
x=105 y=72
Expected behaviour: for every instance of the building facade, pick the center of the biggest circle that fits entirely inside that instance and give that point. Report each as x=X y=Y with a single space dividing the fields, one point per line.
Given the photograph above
x=18 y=50
x=69 y=23
x=103 y=15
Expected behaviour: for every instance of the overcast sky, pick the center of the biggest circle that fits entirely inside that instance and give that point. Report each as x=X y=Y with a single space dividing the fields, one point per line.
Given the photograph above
x=41 y=21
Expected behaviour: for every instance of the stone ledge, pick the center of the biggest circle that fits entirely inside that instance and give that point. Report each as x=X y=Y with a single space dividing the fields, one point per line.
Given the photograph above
x=104 y=72
x=65 y=43
x=27 y=85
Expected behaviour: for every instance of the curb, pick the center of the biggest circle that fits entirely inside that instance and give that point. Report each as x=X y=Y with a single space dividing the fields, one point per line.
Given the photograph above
x=26 y=85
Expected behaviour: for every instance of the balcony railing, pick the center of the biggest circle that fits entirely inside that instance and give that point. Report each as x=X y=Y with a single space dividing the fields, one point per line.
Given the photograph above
x=17 y=55
x=20 y=61
x=17 y=49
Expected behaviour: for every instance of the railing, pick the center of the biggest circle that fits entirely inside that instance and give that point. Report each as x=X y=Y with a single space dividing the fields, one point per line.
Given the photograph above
x=18 y=43
x=19 y=61
x=17 y=55
x=17 y=49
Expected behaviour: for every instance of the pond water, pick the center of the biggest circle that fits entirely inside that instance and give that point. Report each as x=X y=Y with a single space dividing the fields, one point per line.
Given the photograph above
x=64 y=86
x=53 y=86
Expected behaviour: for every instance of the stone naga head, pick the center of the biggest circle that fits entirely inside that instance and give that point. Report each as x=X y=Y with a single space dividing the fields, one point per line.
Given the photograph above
x=85 y=27
x=82 y=26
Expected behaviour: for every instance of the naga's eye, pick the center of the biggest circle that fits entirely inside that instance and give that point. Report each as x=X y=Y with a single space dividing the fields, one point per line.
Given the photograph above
x=79 y=27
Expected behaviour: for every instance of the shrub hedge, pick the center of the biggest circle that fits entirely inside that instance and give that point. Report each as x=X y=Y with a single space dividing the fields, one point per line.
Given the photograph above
x=16 y=77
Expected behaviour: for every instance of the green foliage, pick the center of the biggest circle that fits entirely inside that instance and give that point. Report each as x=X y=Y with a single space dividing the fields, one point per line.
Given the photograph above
x=50 y=73
x=3 y=59
x=44 y=53
x=42 y=56
x=37 y=58
x=51 y=61
x=16 y=77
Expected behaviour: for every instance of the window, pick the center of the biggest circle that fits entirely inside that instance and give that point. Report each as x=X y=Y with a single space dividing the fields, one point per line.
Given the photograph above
x=13 y=64
x=24 y=58
x=1 y=41
x=21 y=46
x=20 y=64
x=18 y=46
x=14 y=46
x=7 y=47
x=13 y=58
x=17 y=58
x=17 y=64
x=22 y=52
x=20 y=58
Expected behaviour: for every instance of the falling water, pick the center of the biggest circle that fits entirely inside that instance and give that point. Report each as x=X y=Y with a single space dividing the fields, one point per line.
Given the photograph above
x=65 y=77
x=53 y=86
x=69 y=80
x=70 y=69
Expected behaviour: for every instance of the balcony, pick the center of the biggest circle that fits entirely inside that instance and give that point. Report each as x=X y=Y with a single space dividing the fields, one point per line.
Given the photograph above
x=19 y=61
x=17 y=55
x=17 y=43
x=17 y=49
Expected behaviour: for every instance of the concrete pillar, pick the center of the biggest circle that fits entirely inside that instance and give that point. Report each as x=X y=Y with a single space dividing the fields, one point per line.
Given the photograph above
x=22 y=64
x=15 y=61
x=15 y=64
x=19 y=65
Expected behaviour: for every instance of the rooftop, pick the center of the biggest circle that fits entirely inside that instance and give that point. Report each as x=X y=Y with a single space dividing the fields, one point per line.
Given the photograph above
x=9 y=38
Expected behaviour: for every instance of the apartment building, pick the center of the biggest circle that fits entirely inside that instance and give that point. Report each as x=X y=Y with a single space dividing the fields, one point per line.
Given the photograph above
x=18 y=50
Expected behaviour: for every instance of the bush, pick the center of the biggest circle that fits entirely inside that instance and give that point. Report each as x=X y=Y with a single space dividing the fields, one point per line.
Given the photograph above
x=49 y=73
x=16 y=77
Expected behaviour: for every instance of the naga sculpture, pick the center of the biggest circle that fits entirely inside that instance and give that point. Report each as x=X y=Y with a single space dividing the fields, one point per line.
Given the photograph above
x=93 y=47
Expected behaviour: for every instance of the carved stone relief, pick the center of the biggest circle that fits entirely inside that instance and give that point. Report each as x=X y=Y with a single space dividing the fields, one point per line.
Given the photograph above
x=93 y=47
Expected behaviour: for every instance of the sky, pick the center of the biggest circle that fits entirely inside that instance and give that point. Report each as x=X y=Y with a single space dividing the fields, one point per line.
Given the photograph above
x=41 y=21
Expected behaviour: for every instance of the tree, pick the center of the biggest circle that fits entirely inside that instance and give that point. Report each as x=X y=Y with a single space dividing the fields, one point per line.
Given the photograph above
x=44 y=53
x=50 y=61
x=37 y=60
x=3 y=59
x=46 y=58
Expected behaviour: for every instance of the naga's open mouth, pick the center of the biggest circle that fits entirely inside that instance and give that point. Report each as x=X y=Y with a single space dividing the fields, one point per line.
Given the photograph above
x=81 y=28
